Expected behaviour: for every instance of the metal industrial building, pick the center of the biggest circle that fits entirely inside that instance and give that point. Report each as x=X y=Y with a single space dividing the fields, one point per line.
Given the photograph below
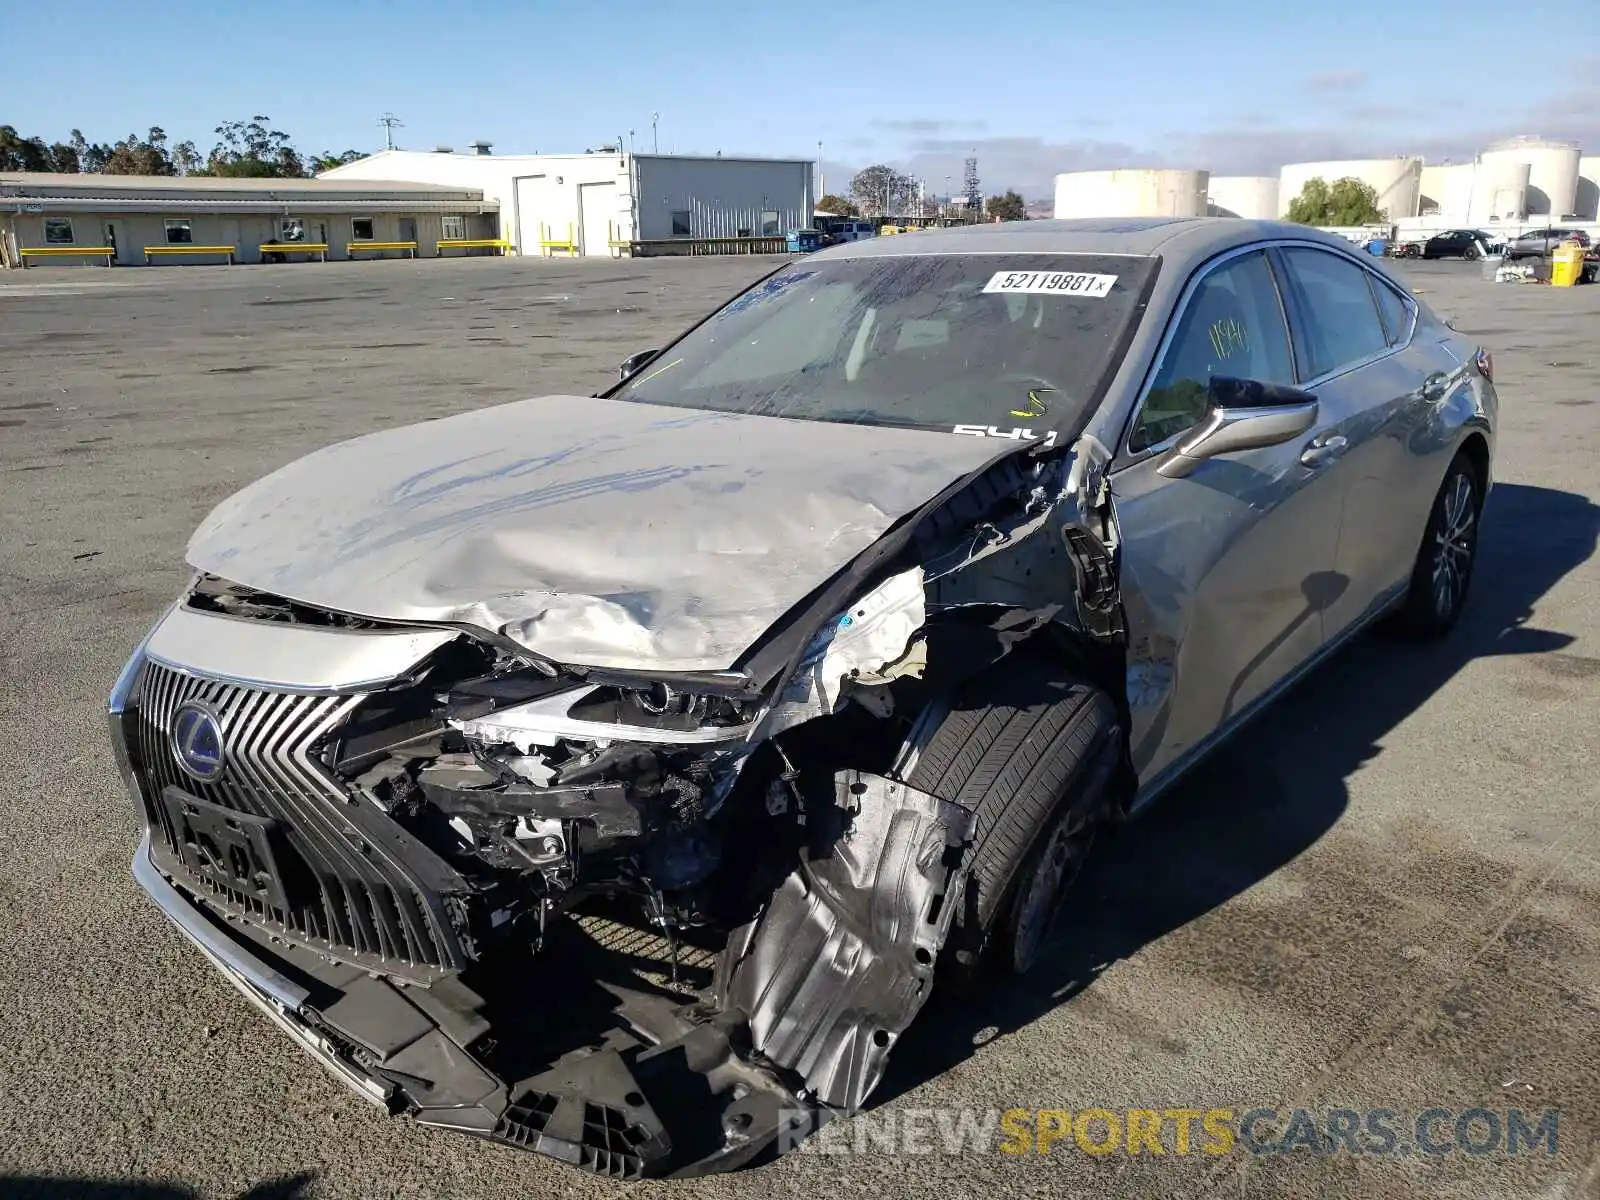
x=132 y=214
x=611 y=199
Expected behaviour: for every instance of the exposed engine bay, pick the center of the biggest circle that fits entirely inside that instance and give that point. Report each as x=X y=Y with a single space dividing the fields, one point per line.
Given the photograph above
x=752 y=825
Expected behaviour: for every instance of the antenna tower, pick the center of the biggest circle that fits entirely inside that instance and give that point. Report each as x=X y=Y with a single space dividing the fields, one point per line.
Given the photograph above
x=390 y=123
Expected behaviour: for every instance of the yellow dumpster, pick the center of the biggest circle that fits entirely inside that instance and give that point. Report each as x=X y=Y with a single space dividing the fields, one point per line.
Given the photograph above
x=1566 y=265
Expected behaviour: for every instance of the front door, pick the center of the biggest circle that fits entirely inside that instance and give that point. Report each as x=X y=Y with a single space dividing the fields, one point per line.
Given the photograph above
x=597 y=210
x=115 y=238
x=1227 y=572
x=1381 y=390
x=408 y=229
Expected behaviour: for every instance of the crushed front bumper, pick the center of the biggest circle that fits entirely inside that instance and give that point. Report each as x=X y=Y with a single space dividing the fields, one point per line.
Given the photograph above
x=387 y=1044
x=812 y=994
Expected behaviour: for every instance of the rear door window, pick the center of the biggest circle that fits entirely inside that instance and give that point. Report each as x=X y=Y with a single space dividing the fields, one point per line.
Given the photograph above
x=1232 y=325
x=1398 y=312
x=1337 y=323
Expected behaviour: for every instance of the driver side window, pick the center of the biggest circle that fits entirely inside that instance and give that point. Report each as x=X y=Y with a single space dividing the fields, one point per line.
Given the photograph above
x=1232 y=325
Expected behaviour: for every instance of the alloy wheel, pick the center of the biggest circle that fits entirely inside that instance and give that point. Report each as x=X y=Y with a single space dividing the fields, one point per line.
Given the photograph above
x=1039 y=896
x=1454 y=543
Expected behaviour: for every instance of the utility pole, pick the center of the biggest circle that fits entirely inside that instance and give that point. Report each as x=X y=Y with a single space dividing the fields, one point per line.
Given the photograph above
x=822 y=179
x=390 y=123
x=655 y=140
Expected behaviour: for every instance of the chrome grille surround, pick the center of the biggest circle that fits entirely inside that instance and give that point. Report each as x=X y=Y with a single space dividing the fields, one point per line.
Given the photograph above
x=351 y=895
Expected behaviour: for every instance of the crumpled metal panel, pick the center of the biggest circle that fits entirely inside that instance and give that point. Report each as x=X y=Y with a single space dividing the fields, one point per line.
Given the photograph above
x=592 y=531
x=843 y=957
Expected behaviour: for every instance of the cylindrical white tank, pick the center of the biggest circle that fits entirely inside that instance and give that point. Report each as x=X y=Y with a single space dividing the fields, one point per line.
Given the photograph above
x=1587 y=204
x=1132 y=193
x=1552 y=172
x=1499 y=192
x=1253 y=197
x=1396 y=180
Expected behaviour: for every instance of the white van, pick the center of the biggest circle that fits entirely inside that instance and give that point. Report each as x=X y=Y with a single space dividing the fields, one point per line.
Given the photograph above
x=846 y=229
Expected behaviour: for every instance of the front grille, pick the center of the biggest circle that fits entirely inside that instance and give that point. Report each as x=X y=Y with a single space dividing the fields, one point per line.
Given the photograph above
x=338 y=890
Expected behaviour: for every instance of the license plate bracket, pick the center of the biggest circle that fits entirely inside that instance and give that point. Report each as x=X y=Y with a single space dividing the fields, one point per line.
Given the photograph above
x=228 y=848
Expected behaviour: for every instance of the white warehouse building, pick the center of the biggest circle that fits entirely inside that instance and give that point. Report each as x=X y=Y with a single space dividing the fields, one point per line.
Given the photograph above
x=1132 y=192
x=606 y=200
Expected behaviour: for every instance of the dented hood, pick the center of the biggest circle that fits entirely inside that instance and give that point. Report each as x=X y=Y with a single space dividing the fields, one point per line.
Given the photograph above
x=592 y=531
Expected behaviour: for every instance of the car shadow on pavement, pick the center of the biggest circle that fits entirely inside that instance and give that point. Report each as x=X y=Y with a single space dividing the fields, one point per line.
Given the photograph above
x=48 y=1187
x=1271 y=792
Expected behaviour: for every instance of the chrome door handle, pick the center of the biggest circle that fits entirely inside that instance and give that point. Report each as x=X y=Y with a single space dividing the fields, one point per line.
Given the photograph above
x=1323 y=450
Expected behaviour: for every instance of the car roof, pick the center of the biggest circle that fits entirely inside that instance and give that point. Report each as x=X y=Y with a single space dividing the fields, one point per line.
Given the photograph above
x=1183 y=239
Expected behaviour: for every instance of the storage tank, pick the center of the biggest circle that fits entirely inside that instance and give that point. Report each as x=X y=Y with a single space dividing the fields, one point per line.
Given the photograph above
x=1132 y=193
x=1552 y=172
x=1253 y=197
x=1445 y=192
x=1587 y=203
x=1499 y=192
x=1396 y=180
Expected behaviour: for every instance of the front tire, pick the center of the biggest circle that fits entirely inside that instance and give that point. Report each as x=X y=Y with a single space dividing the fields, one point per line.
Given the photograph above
x=1443 y=569
x=1470 y=254
x=1033 y=752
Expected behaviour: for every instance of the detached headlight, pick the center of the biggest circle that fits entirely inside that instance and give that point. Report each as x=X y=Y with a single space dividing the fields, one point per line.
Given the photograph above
x=612 y=708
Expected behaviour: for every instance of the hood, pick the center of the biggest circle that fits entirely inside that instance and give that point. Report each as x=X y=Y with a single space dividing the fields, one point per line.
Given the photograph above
x=595 y=532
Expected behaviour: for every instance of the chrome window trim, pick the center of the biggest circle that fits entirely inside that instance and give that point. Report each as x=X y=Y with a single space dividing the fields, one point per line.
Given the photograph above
x=1127 y=457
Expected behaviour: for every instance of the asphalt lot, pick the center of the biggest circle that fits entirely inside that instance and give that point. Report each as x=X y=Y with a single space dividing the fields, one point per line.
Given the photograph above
x=1384 y=894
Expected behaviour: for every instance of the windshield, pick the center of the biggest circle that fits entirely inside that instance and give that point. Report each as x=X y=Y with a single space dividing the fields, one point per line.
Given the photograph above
x=936 y=341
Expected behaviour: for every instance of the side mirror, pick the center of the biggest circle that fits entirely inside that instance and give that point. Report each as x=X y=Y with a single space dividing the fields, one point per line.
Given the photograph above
x=631 y=364
x=1241 y=414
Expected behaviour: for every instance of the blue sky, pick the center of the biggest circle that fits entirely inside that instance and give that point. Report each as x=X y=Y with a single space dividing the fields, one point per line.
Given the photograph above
x=1033 y=86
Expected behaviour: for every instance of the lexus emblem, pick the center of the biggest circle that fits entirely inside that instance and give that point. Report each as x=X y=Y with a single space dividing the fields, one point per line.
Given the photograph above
x=197 y=741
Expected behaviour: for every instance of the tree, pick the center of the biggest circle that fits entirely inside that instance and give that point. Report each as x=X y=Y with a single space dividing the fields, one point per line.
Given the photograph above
x=327 y=160
x=187 y=159
x=252 y=150
x=838 y=206
x=1346 y=202
x=1009 y=207
x=141 y=156
x=881 y=191
x=18 y=153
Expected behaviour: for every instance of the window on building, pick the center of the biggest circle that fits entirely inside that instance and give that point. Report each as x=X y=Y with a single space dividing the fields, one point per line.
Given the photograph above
x=57 y=231
x=361 y=229
x=180 y=232
x=291 y=229
x=680 y=224
x=455 y=228
x=769 y=223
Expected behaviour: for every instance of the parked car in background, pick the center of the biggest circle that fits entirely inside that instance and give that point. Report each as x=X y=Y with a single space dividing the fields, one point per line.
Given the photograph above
x=820 y=645
x=1457 y=243
x=836 y=230
x=1539 y=242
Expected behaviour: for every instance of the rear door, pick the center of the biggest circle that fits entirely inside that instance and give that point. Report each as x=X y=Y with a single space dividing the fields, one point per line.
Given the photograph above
x=1376 y=384
x=1227 y=571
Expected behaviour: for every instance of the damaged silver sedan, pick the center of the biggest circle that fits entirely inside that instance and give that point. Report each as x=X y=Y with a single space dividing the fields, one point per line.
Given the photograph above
x=615 y=776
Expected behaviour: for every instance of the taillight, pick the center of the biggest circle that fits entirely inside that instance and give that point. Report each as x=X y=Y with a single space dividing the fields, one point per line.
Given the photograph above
x=1486 y=364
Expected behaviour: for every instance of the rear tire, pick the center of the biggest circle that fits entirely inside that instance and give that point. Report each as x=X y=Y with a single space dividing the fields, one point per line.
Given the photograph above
x=1032 y=751
x=1443 y=569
